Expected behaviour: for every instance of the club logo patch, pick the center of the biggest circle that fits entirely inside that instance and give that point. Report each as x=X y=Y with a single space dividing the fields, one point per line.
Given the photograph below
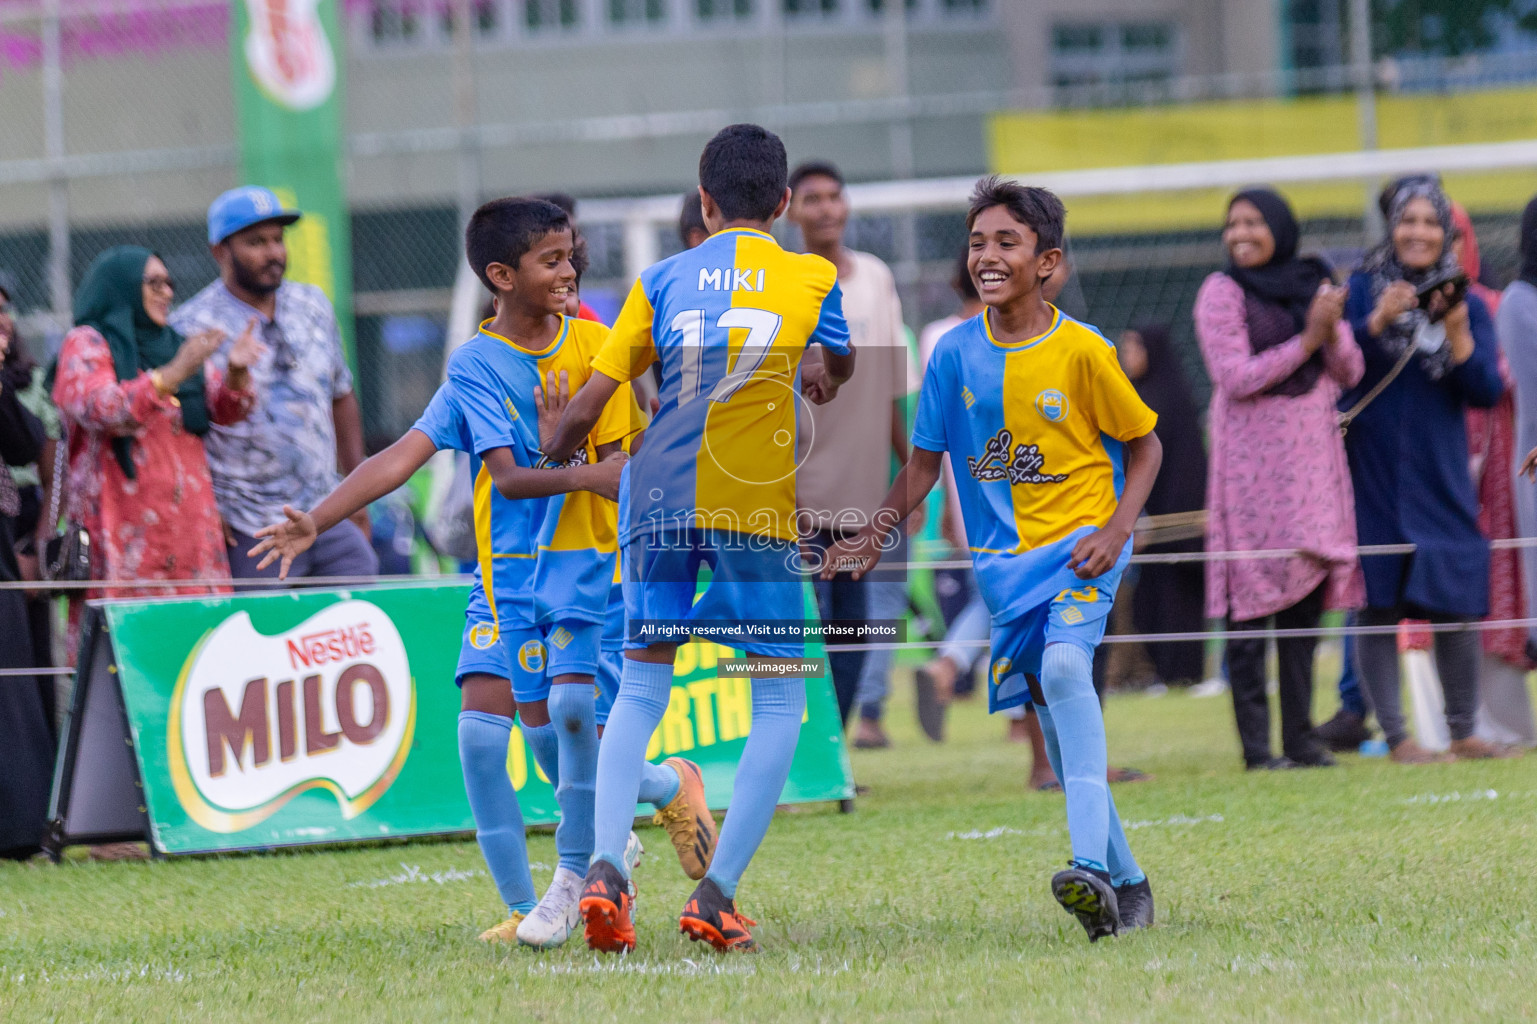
x=561 y=637
x=1000 y=669
x=1052 y=404
x=482 y=635
x=531 y=656
x=256 y=720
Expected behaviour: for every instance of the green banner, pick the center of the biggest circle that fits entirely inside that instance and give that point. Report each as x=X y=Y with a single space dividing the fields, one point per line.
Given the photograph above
x=324 y=716
x=288 y=78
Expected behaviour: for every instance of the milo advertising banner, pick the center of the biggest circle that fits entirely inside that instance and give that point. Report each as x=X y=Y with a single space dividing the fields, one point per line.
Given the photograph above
x=206 y=724
x=288 y=79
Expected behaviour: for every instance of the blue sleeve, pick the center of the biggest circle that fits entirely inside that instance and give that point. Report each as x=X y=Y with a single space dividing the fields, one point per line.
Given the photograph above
x=1478 y=379
x=1358 y=310
x=486 y=421
x=441 y=422
x=929 y=423
x=832 y=329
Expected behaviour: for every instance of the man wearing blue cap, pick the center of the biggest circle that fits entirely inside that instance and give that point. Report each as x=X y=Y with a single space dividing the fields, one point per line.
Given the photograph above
x=306 y=424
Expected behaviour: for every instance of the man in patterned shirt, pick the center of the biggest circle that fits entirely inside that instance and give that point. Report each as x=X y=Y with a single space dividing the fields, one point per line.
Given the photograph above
x=306 y=424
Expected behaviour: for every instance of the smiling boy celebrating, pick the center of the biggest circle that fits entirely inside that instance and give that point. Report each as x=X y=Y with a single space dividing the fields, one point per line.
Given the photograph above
x=1054 y=458
x=545 y=540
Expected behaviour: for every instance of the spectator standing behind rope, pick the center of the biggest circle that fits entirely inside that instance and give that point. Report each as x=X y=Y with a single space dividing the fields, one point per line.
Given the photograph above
x=136 y=399
x=1517 y=323
x=846 y=447
x=33 y=483
x=1278 y=355
x=1505 y=706
x=1169 y=598
x=306 y=424
x=26 y=725
x=1408 y=452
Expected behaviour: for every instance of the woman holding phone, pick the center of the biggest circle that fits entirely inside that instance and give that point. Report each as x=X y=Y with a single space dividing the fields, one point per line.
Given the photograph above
x=1430 y=353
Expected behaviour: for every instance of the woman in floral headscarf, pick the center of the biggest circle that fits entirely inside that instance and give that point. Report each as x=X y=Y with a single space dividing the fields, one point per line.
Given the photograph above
x=1408 y=454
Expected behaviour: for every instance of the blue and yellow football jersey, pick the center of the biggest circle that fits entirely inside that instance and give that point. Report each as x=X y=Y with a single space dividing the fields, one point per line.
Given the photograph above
x=1035 y=432
x=488 y=402
x=578 y=546
x=728 y=321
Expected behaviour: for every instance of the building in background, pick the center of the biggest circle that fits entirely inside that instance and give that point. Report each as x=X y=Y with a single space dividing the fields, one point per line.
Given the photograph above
x=616 y=98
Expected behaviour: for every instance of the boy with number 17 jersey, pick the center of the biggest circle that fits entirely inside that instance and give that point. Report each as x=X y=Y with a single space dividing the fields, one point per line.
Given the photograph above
x=713 y=487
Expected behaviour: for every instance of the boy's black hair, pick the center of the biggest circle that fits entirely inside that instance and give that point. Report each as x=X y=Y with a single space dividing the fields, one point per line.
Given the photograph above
x=692 y=217
x=561 y=199
x=504 y=230
x=964 y=286
x=745 y=169
x=815 y=169
x=1038 y=208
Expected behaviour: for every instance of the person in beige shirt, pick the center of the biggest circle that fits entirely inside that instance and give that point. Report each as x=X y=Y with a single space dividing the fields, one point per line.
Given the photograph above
x=846 y=447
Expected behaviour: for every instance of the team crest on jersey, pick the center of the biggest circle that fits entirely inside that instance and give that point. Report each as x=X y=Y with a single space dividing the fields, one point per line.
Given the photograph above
x=1052 y=404
x=482 y=635
x=1002 y=459
x=1001 y=669
x=531 y=656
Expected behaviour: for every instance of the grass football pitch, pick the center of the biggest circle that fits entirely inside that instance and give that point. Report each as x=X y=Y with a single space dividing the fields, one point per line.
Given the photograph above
x=1370 y=892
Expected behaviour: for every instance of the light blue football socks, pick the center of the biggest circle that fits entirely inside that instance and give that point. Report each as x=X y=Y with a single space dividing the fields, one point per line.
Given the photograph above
x=1074 y=727
x=1123 y=866
x=777 y=707
x=658 y=785
x=576 y=734
x=483 y=740
x=644 y=692
x=541 y=742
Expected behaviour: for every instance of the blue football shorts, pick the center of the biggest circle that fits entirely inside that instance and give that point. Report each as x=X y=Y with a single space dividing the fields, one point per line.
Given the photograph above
x=753 y=580
x=1077 y=615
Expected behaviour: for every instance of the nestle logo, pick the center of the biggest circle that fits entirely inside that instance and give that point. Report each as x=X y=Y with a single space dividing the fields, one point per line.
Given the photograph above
x=314 y=649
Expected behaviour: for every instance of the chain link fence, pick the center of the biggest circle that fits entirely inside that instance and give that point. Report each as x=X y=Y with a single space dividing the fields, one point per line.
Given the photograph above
x=66 y=144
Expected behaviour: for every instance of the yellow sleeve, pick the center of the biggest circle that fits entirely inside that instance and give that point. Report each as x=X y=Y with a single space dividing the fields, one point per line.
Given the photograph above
x=1117 y=408
x=630 y=347
x=621 y=417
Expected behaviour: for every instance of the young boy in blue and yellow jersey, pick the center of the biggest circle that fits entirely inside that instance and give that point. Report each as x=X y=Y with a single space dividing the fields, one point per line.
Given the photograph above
x=1054 y=457
x=713 y=486
x=521 y=249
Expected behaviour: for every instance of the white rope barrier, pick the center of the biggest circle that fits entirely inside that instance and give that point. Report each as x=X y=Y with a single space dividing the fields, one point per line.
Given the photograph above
x=243 y=585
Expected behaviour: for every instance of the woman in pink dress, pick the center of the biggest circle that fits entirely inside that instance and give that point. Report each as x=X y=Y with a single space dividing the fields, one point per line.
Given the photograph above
x=1278 y=354
x=135 y=399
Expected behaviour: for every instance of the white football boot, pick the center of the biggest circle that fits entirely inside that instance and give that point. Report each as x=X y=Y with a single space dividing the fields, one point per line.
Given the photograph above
x=549 y=924
x=632 y=854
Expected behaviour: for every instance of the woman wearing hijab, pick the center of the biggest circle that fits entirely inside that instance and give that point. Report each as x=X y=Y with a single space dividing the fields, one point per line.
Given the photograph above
x=1278 y=355
x=136 y=399
x=1505 y=706
x=1169 y=598
x=1408 y=451
x=26 y=721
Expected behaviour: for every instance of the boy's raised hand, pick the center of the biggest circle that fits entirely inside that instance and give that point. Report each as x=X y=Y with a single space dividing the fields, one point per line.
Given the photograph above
x=1096 y=554
x=286 y=540
x=551 y=400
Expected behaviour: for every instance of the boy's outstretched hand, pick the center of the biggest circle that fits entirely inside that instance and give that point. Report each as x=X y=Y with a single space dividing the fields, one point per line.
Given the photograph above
x=1529 y=465
x=854 y=555
x=551 y=400
x=1096 y=554
x=286 y=540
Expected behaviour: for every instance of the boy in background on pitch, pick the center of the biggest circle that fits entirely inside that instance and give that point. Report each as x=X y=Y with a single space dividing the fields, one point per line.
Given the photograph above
x=1054 y=456
x=714 y=486
x=522 y=250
